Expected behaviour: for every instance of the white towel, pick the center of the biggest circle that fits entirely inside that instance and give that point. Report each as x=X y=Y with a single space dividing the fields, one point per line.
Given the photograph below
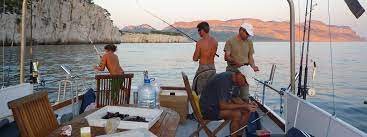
x=249 y=74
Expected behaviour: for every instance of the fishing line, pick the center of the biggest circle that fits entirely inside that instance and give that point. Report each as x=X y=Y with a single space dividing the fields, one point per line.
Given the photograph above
x=178 y=30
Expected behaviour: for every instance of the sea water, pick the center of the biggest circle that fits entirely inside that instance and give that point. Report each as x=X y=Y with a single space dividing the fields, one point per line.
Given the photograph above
x=166 y=61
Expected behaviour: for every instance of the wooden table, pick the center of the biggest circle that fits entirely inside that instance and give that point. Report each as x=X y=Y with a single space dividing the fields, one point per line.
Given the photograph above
x=165 y=127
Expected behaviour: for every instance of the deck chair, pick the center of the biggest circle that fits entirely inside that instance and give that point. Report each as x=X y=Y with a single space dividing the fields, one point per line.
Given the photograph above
x=33 y=115
x=113 y=89
x=197 y=113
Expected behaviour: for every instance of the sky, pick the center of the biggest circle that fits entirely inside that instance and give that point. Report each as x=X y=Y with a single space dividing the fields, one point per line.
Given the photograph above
x=128 y=12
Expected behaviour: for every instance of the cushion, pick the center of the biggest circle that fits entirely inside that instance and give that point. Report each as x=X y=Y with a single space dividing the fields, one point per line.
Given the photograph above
x=9 y=130
x=196 y=101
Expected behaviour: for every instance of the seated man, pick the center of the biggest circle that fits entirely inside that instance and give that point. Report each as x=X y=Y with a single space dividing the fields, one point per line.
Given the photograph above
x=220 y=100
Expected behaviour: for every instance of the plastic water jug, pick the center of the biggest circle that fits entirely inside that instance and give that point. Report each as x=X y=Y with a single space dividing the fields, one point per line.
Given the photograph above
x=147 y=94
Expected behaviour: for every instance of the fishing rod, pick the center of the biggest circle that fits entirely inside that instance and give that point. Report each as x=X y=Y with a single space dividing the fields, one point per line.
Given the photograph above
x=308 y=50
x=95 y=48
x=262 y=116
x=301 y=61
x=178 y=30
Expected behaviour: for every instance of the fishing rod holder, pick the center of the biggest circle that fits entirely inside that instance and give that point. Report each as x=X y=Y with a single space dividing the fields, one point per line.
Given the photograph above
x=70 y=83
x=268 y=83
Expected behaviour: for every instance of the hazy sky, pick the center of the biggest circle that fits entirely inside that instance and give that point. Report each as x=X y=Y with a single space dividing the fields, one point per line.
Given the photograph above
x=127 y=12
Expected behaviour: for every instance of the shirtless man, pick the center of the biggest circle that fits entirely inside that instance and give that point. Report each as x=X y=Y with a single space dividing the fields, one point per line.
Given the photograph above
x=110 y=61
x=205 y=51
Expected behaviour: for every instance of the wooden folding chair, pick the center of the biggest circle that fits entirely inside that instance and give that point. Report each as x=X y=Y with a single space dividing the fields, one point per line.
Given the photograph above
x=113 y=89
x=202 y=122
x=33 y=115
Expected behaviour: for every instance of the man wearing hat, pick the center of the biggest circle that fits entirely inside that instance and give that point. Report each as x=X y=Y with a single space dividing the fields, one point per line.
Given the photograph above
x=239 y=52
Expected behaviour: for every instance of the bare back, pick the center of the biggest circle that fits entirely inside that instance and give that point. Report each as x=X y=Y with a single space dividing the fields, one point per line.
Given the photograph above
x=206 y=50
x=111 y=62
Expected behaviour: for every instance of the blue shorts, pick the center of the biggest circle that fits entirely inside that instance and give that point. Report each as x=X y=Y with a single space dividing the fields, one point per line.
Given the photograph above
x=211 y=114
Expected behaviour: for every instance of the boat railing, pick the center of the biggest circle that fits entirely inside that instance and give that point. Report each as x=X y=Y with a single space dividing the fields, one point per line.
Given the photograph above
x=267 y=84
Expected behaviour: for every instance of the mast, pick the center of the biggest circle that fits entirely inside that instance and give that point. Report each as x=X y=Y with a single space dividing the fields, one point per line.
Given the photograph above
x=23 y=41
x=292 y=46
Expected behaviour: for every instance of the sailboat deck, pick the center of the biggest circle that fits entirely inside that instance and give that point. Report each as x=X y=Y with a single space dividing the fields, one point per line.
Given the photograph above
x=189 y=126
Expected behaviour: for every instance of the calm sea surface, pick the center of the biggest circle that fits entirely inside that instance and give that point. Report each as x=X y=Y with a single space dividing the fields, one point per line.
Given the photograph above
x=166 y=61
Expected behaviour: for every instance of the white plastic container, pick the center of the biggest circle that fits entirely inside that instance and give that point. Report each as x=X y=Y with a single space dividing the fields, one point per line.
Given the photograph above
x=151 y=115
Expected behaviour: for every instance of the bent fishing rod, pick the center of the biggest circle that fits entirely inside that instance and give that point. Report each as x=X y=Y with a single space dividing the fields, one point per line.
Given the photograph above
x=305 y=90
x=178 y=30
x=300 y=87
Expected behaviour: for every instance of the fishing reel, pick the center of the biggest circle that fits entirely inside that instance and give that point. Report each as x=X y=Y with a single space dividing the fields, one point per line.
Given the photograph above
x=35 y=77
x=311 y=92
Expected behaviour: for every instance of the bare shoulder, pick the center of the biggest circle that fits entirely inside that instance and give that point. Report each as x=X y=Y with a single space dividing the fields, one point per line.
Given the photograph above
x=105 y=56
x=200 y=41
x=214 y=41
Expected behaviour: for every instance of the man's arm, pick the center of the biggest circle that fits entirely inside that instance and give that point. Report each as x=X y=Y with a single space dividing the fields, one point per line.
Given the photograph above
x=251 y=60
x=102 y=65
x=196 y=55
x=238 y=100
x=251 y=106
x=228 y=105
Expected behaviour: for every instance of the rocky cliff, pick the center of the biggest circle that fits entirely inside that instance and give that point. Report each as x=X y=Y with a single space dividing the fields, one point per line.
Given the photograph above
x=140 y=28
x=129 y=37
x=62 y=22
x=271 y=30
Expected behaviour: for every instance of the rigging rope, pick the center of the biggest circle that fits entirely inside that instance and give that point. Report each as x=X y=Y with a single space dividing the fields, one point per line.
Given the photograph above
x=3 y=67
x=332 y=68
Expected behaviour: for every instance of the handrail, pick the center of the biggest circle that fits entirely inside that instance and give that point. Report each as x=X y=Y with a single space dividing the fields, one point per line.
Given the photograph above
x=68 y=102
x=114 y=76
x=65 y=103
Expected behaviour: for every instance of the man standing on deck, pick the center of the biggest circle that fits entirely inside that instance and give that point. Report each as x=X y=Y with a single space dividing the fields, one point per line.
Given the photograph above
x=205 y=51
x=239 y=52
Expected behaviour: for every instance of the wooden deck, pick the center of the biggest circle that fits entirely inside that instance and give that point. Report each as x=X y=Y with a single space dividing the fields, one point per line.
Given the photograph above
x=166 y=126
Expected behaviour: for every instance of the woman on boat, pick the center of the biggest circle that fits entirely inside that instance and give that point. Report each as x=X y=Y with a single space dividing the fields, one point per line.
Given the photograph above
x=110 y=60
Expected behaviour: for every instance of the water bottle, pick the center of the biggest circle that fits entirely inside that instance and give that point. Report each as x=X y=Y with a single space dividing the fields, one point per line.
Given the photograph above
x=146 y=94
x=157 y=87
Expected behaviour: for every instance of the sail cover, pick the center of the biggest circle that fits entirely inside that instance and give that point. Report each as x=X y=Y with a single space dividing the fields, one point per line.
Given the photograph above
x=355 y=7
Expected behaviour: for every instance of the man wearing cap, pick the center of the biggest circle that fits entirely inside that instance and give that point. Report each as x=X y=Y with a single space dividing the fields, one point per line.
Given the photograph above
x=239 y=52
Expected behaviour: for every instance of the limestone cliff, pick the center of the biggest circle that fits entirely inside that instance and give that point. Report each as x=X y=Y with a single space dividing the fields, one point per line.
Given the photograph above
x=272 y=30
x=62 y=22
x=152 y=38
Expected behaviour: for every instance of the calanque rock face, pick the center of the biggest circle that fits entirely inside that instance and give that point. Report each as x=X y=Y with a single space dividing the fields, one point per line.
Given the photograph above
x=62 y=22
x=152 y=38
x=272 y=29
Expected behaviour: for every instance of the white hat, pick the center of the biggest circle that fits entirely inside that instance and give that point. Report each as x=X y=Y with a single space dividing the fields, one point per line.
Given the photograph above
x=249 y=28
